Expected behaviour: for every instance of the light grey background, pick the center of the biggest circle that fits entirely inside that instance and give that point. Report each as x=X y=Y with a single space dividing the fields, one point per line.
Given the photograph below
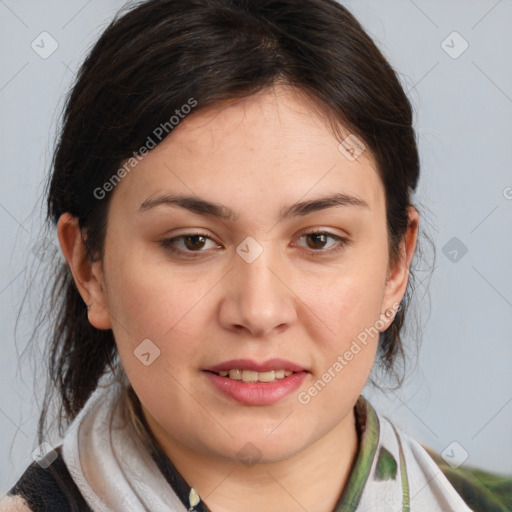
x=461 y=388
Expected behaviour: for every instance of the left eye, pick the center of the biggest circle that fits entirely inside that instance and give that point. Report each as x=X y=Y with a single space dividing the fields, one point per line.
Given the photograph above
x=321 y=240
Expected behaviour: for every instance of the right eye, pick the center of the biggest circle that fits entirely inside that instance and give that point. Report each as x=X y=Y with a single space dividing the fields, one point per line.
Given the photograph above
x=189 y=243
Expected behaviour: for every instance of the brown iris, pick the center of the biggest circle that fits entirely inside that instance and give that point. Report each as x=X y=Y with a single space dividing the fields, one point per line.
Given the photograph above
x=318 y=240
x=194 y=242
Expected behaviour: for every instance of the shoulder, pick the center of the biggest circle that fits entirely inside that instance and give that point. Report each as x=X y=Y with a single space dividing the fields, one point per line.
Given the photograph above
x=423 y=484
x=45 y=488
x=14 y=504
x=483 y=491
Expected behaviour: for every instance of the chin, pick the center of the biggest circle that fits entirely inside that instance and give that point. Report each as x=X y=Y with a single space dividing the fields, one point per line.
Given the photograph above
x=260 y=449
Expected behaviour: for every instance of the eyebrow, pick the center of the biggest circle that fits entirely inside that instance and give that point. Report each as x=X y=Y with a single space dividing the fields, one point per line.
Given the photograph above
x=216 y=210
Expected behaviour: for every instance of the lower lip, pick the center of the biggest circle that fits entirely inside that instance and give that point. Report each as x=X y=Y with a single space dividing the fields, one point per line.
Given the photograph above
x=257 y=393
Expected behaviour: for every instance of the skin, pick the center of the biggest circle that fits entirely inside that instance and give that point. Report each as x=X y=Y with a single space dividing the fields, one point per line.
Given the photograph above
x=13 y=504
x=299 y=300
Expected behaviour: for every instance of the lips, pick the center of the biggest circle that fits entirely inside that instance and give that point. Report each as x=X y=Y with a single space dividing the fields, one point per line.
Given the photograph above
x=256 y=383
x=252 y=376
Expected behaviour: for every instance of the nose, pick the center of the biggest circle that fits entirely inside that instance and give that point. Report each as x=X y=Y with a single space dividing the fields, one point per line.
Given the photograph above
x=258 y=298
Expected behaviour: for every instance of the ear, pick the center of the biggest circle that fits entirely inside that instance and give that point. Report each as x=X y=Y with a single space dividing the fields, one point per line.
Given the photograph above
x=398 y=273
x=87 y=274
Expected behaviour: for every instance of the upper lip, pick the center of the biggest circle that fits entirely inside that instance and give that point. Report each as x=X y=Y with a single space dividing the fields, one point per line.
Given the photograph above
x=249 y=364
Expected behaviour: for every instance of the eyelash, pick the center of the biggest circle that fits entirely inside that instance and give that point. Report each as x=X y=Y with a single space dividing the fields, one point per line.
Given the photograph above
x=168 y=243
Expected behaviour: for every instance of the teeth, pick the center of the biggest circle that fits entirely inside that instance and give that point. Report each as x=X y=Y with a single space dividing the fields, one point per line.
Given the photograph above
x=252 y=376
x=235 y=374
x=266 y=376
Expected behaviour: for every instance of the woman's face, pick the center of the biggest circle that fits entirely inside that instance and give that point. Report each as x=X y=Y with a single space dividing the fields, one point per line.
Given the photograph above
x=248 y=235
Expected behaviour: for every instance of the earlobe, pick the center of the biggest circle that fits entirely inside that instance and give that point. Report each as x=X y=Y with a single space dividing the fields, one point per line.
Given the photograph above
x=87 y=274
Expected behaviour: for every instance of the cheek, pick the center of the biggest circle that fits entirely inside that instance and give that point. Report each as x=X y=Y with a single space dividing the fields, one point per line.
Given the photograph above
x=349 y=307
x=353 y=315
x=350 y=300
x=151 y=303
x=346 y=352
x=148 y=301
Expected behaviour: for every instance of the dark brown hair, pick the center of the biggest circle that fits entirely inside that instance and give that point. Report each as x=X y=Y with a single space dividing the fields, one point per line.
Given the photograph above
x=149 y=62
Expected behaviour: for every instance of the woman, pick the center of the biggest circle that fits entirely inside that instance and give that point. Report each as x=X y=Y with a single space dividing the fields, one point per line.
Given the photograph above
x=232 y=196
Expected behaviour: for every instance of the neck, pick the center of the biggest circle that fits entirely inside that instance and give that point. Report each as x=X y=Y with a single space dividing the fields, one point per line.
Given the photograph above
x=312 y=479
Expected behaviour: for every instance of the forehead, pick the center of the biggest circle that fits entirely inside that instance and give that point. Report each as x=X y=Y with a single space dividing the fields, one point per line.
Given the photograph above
x=273 y=145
